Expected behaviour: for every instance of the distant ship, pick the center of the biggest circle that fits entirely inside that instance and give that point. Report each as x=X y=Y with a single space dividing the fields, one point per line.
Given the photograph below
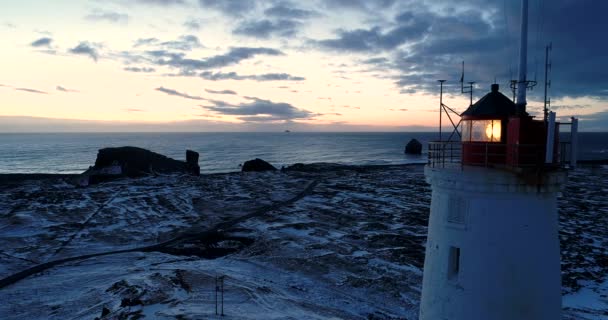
x=287 y=131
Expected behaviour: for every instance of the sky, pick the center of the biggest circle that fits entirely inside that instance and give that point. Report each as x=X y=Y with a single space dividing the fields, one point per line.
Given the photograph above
x=319 y=65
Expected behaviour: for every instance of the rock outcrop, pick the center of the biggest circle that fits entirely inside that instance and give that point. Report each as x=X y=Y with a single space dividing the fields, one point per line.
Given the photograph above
x=257 y=165
x=113 y=163
x=137 y=161
x=413 y=147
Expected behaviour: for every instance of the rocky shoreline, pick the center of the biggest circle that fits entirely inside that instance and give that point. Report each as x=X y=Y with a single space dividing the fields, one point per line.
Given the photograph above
x=351 y=248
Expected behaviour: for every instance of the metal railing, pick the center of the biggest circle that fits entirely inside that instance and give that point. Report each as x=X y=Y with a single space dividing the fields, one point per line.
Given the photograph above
x=442 y=154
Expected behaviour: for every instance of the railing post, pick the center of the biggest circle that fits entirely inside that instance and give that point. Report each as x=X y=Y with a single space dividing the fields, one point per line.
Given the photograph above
x=573 y=143
x=486 y=156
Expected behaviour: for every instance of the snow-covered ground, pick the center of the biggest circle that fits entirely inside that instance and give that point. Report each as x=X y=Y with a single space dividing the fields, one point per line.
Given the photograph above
x=352 y=248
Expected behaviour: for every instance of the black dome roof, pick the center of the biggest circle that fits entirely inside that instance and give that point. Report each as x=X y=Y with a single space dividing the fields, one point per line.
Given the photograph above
x=492 y=104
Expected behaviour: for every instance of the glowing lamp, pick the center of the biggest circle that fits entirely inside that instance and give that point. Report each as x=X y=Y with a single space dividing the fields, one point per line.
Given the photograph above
x=482 y=130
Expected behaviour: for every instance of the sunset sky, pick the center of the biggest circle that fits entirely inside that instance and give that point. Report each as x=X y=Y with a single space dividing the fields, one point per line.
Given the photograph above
x=320 y=65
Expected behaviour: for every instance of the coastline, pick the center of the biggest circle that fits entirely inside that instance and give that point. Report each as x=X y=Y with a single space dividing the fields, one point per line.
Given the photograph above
x=15 y=178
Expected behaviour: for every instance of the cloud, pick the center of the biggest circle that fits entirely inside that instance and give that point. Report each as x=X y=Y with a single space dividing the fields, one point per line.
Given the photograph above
x=42 y=42
x=134 y=110
x=570 y=107
x=376 y=38
x=266 y=28
x=287 y=11
x=87 y=49
x=139 y=69
x=165 y=3
x=110 y=16
x=362 y=5
x=427 y=41
x=31 y=90
x=193 y=24
x=172 y=92
x=63 y=89
x=234 y=56
x=221 y=91
x=260 y=110
x=183 y=43
x=216 y=76
x=145 y=42
x=230 y=7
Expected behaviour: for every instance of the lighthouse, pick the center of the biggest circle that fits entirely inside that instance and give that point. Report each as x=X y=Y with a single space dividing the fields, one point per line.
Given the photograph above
x=492 y=250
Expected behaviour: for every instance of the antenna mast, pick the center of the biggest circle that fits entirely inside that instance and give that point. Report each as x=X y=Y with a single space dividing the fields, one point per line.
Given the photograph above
x=523 y=84
x=440 y=105
x=469 y=87
x=523 y=59
x=547 y=81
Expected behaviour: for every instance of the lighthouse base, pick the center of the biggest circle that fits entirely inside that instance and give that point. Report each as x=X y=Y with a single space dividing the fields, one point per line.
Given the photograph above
x=492 y=248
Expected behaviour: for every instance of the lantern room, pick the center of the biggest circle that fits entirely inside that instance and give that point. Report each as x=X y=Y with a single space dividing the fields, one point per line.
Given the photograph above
x=495 y=132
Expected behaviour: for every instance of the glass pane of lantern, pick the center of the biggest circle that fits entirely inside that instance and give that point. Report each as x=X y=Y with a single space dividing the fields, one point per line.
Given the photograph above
x=496 y=130
x=486 y=130
x=466 y=130
x=493 y=131
x=478 y=130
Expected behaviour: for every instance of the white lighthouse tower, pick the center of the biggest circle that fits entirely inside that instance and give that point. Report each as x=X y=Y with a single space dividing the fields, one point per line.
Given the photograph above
x=493 y=249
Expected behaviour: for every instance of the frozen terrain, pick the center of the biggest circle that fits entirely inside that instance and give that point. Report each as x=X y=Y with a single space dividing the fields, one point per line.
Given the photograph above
x=325 y=243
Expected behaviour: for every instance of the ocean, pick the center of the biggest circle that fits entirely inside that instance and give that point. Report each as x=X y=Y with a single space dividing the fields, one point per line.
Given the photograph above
x=223 y=152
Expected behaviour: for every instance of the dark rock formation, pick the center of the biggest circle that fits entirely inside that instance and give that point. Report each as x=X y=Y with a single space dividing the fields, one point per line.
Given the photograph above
x=257 y=165
x=137 y=161
x=413 y=147
x=316 y=167
x=113 y=163
x=192 y=162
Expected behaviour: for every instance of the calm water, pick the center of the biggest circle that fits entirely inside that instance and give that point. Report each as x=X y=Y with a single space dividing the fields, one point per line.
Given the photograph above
x=223 y=152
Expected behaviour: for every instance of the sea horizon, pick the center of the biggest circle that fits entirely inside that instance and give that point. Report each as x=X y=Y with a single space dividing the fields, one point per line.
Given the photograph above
x=73 y=153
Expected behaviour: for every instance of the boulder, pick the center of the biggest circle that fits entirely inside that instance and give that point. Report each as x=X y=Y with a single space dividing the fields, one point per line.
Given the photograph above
x=135 y=161
x=257 y=165
x=413 y=147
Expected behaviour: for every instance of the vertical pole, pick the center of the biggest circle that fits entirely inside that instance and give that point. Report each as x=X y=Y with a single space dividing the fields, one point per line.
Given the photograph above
x=440 y=105
x=222 y=284
x=547 y=66
x=523 y=59
x=486 y=156
x=574 y=142
x=471 y=93
x=550 y=138
x=216 y=289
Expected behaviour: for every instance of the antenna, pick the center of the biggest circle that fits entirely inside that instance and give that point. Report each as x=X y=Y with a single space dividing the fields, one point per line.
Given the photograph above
x=514 y=88
x=469 y=87
x=440 y=104
x=548 y=49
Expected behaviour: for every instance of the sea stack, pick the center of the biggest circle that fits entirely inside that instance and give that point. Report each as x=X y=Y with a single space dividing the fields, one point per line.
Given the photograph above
x=192 y=163
x=413 y=147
